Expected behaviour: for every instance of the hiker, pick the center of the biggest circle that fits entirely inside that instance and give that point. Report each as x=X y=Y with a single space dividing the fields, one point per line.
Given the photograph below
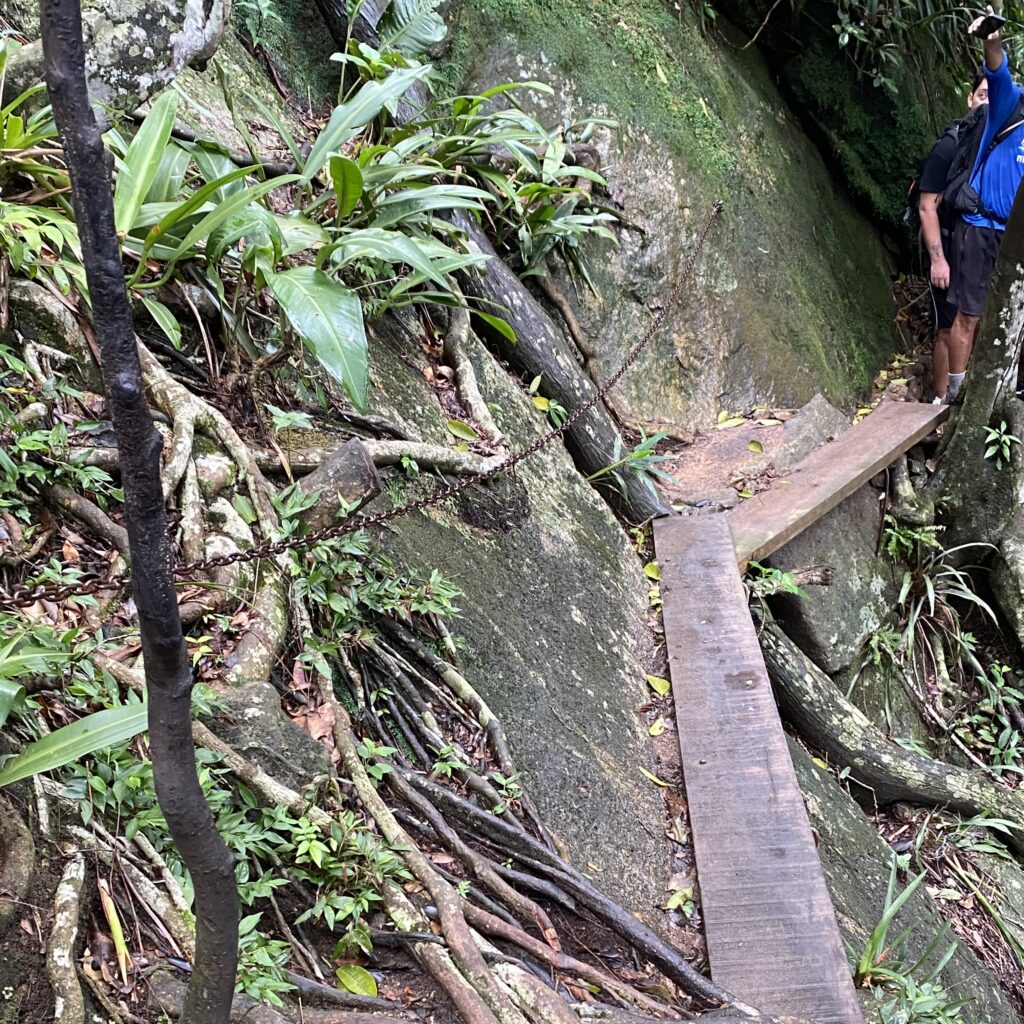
x=937 y=223
x=986 y=198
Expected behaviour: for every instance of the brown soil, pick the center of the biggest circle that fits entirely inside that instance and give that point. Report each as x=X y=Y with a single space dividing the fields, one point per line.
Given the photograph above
x=722 y=461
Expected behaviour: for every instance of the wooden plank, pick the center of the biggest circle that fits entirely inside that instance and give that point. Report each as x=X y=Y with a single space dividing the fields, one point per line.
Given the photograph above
x=771 y=929
x=762 y=524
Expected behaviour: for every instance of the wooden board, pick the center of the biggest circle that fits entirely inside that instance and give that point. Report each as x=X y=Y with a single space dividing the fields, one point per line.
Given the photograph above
x=762 y=524
x=771 y=929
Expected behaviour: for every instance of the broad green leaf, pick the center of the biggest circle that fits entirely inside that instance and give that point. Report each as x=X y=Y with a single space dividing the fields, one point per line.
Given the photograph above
x=226 y=210
x=659 y=684
x=300 y=233
x=72 y=742
x=662 y=77
x=411 y=27
x=400 y=207
x=179 y=212
x=328 y=317
x=463 y=430
x=347 y=180
x=164 y=319
x=216 y=165
x=174 y=164
x=142 y=161
x=657 y=728
x=12 y=695
x=652 y=570
x=503 y=327
x=244 y=507
x=729 y=421
x=254 y=223
x=755 y=446
x=360 y=110
x=431 y=258
x=357 y=980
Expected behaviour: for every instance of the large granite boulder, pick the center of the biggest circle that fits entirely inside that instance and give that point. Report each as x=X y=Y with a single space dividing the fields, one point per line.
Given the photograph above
x=133 y=47
x=553 y=618
x=771 y=313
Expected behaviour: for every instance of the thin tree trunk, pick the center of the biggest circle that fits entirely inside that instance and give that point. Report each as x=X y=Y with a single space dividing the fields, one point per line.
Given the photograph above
x=540 y=348
x=168 y=672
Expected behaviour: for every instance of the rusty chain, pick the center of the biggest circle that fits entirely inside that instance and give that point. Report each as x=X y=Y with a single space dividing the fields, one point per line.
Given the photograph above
x=21 y=596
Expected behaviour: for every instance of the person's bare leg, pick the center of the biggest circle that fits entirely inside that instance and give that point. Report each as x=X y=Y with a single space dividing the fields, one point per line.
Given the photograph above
x=961 y=340
x=940 y=362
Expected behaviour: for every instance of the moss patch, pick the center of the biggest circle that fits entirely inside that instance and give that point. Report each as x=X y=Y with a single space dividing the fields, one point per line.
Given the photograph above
x=792 y=293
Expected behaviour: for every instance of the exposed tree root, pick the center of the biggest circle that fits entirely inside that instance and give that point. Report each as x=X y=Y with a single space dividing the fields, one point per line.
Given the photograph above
x=91 y=515
x=560 y=301
x=828 y=721
x=541 y=349
x=17 y=861
x=316 y=992
x=478 y=865
x=60 y=947
x=465 y=376
x=907 y=506
x=177 y=927
x=536 y=856
x=628 y=996
x=19 y=552
x=427 y=456
x=167 y=994
x=431 y=456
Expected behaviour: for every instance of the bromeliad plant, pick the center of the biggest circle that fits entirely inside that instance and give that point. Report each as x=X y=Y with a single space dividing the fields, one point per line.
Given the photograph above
x=365 y=230
x=906 y=990
x=643 y=459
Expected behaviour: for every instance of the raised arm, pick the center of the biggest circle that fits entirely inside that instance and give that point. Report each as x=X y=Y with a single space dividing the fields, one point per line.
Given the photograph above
x=1002 y=93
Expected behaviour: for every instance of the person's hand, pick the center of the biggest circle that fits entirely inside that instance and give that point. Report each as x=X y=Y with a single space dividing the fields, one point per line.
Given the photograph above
x=977 y=21
x=940 y=272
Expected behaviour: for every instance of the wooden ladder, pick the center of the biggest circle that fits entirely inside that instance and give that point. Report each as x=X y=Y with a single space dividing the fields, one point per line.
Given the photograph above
x=771 y=929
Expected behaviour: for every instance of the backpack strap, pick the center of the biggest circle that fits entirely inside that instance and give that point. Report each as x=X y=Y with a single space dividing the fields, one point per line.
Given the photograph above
x=1015 y=120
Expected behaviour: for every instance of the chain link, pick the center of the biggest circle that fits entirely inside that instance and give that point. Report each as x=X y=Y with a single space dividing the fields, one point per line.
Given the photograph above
x=22 y=596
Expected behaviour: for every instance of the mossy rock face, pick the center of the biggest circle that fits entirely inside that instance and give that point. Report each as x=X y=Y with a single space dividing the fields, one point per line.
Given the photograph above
x=791 y=294
x=875 y=137
x=133 y=47
x=856 y=864
x=553 y=617
x=832 y=624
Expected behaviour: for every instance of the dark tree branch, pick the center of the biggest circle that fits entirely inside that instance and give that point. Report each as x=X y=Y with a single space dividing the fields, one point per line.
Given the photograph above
x=168 y=672
x=540 y=348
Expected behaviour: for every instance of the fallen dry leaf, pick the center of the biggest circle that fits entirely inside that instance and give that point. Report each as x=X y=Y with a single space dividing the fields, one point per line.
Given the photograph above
x=319 y=723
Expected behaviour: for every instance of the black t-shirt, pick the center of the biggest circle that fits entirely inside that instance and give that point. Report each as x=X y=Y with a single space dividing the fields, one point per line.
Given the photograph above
x=935 y=173
x=936 y=164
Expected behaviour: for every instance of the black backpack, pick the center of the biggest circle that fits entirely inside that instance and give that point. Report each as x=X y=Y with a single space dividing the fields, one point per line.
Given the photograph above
x=959 y=194
x=965 y=134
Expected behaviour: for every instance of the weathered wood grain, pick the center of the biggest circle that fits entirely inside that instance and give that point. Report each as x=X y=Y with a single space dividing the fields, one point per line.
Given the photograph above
x=762 y=524
x=771 y=929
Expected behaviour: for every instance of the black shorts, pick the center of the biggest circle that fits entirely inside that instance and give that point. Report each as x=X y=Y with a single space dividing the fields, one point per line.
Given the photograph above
x=974 y=259
x=943 y=311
